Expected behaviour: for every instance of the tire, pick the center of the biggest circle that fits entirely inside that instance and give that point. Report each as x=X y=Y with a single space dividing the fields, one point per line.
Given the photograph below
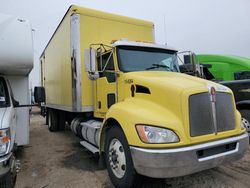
x=121 y=173
x=13 y=172
x=61 y=120
x=246 y=115
x=53 y=124
x=9 y=180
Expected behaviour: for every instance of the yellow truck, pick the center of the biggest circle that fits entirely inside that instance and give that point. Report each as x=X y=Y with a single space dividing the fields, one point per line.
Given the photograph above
x=125 y=97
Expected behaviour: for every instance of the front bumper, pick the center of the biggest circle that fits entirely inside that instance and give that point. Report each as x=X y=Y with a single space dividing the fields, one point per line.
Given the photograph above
x=166 y=163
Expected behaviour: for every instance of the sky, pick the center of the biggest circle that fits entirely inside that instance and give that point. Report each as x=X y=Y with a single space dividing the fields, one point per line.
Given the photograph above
x=203 y=26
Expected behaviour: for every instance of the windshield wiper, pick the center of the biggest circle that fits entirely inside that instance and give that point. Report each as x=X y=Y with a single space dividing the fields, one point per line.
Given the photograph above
x=155 y=66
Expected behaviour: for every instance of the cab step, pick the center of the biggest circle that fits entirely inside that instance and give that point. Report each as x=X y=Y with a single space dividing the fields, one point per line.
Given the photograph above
x=90 y=147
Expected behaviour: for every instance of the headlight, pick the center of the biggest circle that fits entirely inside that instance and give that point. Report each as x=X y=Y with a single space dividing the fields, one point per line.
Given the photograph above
x=156 y=135
x=4 y=141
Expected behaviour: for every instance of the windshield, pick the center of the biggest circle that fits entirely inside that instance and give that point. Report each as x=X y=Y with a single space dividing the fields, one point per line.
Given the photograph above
x=131 y=58
x=4 y=98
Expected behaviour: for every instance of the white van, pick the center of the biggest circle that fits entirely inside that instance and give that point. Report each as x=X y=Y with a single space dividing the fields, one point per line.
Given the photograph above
x=16 y=62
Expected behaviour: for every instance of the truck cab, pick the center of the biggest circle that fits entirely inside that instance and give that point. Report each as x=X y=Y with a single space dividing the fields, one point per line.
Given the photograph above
x=154 y=115
x=115 y=65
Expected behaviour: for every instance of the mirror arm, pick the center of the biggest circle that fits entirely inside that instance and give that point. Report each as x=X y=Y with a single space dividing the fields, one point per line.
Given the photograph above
x=26 y=105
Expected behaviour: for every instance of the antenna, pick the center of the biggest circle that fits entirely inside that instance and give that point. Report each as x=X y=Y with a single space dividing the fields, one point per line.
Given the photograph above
x=165 y=31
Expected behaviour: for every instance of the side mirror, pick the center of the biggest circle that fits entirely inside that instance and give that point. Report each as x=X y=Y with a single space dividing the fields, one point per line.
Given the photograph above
x=39 y=94
x=90 y=60
x=15 y=103
x=187 y=59
x=189 y=64
x=186 y=68
x=90 y=63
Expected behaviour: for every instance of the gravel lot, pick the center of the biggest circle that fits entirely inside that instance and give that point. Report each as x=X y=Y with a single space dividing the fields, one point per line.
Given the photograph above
x=57 y=160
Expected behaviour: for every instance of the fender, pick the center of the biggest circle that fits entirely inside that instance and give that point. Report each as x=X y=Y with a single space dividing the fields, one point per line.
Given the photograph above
x=127 y=114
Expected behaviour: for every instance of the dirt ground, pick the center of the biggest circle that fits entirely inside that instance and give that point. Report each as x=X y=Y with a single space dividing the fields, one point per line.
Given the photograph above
x=57 y=160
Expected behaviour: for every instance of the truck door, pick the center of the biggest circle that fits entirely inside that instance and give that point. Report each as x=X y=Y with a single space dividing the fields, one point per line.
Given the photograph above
x=13 y=114
x=7 y=102
x=105 y=95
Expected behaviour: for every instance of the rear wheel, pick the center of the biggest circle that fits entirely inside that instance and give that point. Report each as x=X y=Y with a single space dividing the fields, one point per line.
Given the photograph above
x=52 y=120
x=118 y=159
x=61 y=120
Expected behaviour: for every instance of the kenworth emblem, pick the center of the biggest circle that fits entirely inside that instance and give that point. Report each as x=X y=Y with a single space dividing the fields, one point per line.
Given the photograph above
x=213 y=94
x=213 y=101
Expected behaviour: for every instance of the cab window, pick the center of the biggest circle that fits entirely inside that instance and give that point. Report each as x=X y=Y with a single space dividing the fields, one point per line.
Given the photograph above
x=106 y=60
x=4 y=96
x=106 y=66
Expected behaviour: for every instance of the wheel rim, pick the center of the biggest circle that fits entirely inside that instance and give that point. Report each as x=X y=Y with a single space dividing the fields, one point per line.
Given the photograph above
x=246 y=124
x=117 y=158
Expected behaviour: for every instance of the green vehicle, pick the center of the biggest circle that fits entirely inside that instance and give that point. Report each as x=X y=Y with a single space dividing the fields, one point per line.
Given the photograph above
x=226 y=68
x=231 y=71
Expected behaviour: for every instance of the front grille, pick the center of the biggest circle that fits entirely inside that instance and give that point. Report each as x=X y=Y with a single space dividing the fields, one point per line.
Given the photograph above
x=201 y=114
x=224 y=112
x=216 y=150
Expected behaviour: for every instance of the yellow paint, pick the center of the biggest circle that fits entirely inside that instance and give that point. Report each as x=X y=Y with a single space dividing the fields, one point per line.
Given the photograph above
x=102 y=88
x=57 y=67
x=167 y=107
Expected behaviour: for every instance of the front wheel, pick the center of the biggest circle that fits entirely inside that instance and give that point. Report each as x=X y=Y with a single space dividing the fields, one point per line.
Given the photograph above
x=118 y=159
x=9 y=179
x=246 y=118
x=13 y=171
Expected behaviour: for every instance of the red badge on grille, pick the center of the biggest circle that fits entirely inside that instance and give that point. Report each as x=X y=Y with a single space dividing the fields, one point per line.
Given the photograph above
x=213 y=94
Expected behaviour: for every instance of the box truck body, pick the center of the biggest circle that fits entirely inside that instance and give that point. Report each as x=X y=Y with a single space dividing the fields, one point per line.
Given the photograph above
x=16 y=62
x=73 y=91
x=123 y=95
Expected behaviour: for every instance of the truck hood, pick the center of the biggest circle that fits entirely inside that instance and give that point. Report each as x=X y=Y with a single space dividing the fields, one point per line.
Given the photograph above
x=168 y=80
x=170 y=90
x=162 y=99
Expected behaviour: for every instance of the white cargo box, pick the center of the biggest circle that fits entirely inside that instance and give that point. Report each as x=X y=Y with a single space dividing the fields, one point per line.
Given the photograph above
x=16 y=50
